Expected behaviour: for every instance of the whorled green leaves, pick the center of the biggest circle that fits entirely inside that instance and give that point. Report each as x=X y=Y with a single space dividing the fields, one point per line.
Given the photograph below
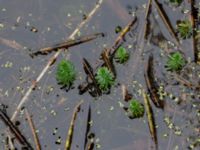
x=121 y=55
x=136 y=109
x=175 y=61
x=176 y=2
x=184 y=28
x=104 y=78
x=66 y=73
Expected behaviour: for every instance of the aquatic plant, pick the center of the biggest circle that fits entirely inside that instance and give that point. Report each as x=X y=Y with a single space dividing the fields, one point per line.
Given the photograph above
x=175 y=61
x=176 y=2
x=121 y=55
x=66 y=73
x=136 y=109
x=118 y=29
x=184 y=28
x=104 y=78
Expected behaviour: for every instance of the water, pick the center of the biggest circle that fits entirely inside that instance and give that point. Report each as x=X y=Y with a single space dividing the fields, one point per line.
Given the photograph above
x=51 y=107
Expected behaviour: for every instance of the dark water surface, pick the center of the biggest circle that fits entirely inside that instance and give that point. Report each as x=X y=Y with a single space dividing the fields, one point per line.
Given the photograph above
x=37 y=23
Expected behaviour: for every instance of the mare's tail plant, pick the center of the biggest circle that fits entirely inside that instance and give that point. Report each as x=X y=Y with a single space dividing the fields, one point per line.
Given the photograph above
x=104 y=78
x=66 y=73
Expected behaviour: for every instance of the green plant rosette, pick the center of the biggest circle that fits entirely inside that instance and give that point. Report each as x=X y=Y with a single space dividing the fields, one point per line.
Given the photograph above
x=104 y=78
x=65 y=74
x=121 y=55
x=176 y=2
x=175 y=61
x=184 y=28
x=136 y=109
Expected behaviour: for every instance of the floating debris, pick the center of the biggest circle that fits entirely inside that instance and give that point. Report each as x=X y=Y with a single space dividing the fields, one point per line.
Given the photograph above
x=32 y=126
x=166 y=21
x=71 y=128
x=126 y=96
x=67 y=44
x=150 y=117
x=151 y=84
x=20 y=137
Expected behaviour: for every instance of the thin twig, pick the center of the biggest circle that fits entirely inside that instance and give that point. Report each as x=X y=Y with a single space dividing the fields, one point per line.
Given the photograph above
x=11 y=43
x=90 y=146
x=108 y=61
x=9 y=145
x=71 y=127
x=193 y=17
x=150 y=117
x=148 y=10
x=122 y=35
x=20 y=137
x=32 y=126
x=87 y=126
x=126 y=96
x=89 y=71
x=52 y=59
x=151 y=84
x=166 y=21
x=67 y=44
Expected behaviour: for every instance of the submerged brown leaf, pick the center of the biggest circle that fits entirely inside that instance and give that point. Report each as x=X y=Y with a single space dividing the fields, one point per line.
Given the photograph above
x=89 y=71
x=108 y=62
x=71 y=127
x=150 y=117
x=194 y=21
x=11 y=43
x=151 y=83
x=33 y=130
x=147 y=24
x=166 y=21
x=121 y=37
x=125 y=94
x=19 y=136
x=67 y=44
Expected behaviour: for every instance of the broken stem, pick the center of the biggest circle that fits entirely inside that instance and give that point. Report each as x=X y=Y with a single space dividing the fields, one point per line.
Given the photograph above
x=67 y=44
x=71 y=127
x=166 y=21
x=150 y=117
x=20 y=137
x=33 y=130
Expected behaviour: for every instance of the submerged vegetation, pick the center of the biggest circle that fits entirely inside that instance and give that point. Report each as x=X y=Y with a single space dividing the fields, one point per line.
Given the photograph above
x=66 y=73
x=105 y=78
x=121 y=55
x=164 y=93
x=176 y=2
x=136 y=109
x=184 y=28
x=175 y=61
